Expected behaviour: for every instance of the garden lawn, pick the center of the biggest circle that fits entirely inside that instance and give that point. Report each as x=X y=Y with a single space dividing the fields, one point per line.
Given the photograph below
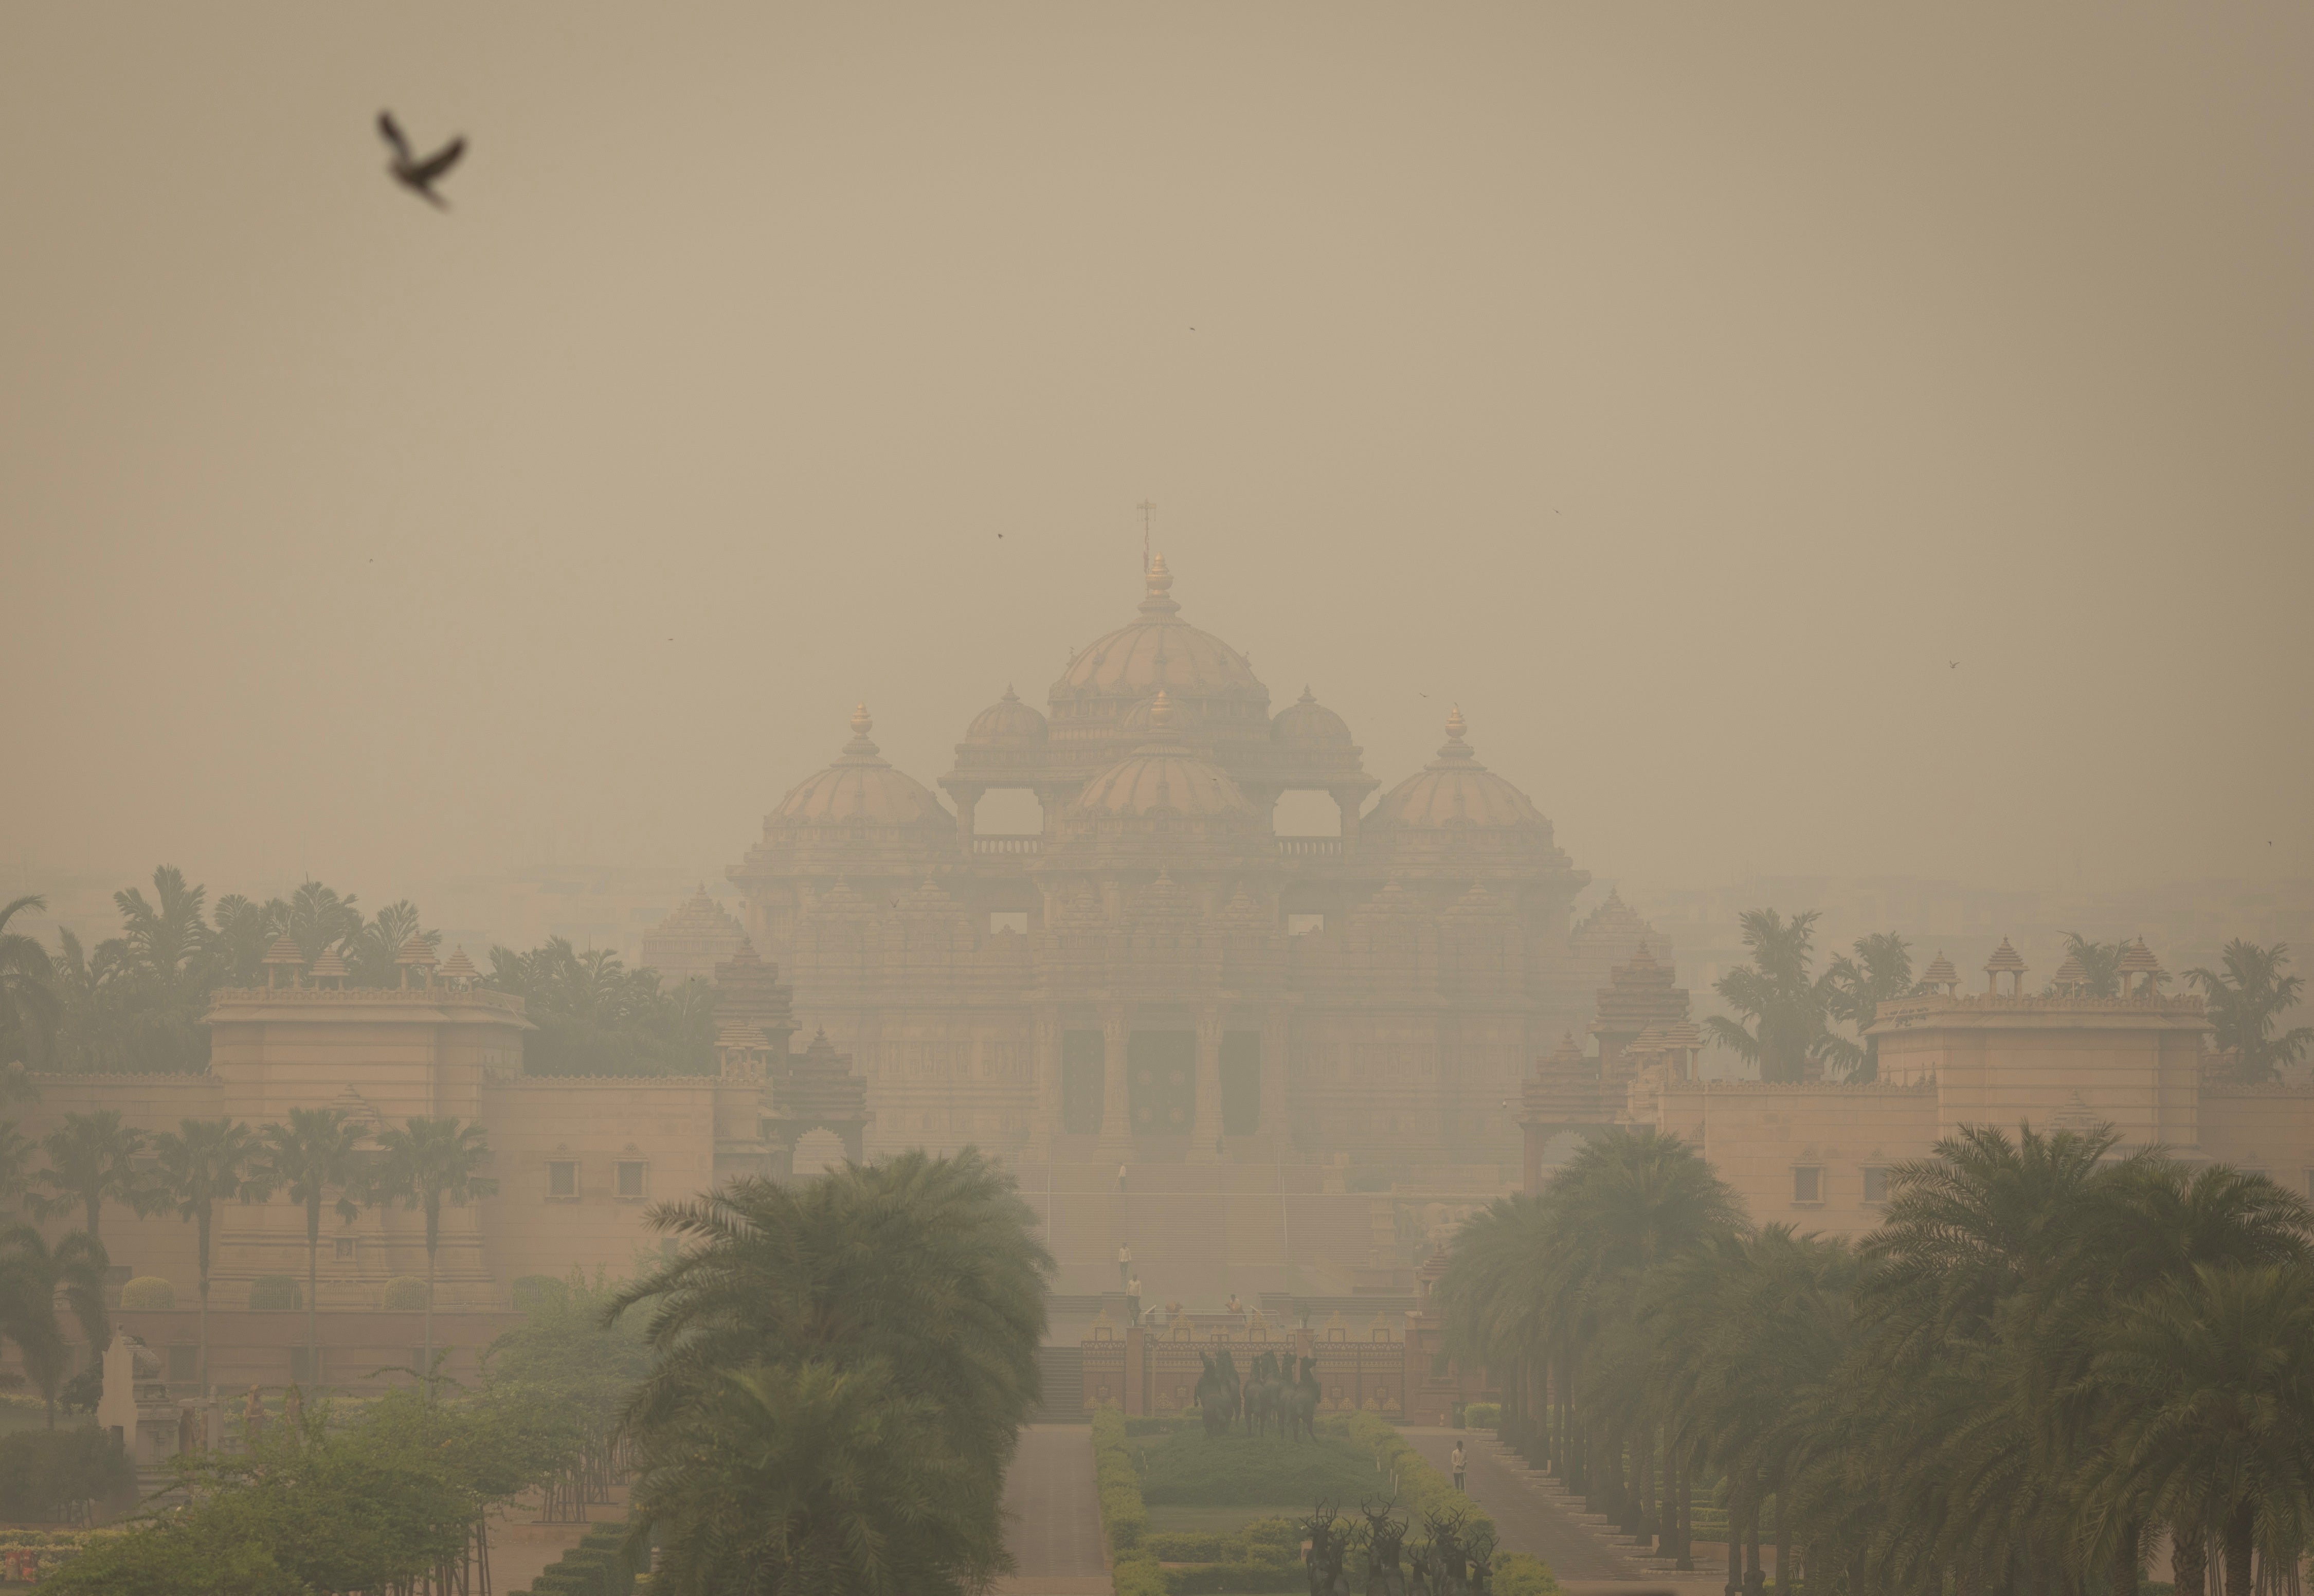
x=1253 y=1476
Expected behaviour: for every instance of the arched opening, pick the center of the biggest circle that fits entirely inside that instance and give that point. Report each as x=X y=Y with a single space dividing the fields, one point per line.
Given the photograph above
x=817 y=1152
x=1307 y=815
x=1008 y=812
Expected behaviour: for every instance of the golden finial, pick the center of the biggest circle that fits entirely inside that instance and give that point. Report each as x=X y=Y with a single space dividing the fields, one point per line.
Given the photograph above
x=861 y=722
x=1161 y=714
x=1455 y=725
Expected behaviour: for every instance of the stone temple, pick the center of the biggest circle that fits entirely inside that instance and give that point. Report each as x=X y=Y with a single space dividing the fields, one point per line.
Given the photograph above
x=1156 y=976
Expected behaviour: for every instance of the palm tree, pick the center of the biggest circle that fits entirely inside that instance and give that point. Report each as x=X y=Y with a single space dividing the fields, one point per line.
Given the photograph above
x=318 y=918
x=1854 y=989
x=203 y=1161
x=2100 y=964
x=32 y=1276
x=15 y=1161
x=374 y=952
x=1784 y=1005
x=2214 y=1377
x=29 y=1008
x=927 y=1267
x=312 y=1156
x=2247 y=1000
x=811 y=1477
x=431 y=1161
x=92 y=1162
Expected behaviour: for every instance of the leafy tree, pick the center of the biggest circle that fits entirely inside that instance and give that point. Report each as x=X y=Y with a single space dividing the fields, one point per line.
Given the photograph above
x=913 y=1281
x=33 y=1276
x=311 y=1158
x=372 y=953
x=1854 y=988
x=29 y=1008
x=241 y=932
x=2247 y=1001
x=15 y=1161
x=595 y=1016
x=319 y=918
x=1783 y=1008
x=2100 y=964
x=431 y=1161
x=92 y=1161
x=200 y=1163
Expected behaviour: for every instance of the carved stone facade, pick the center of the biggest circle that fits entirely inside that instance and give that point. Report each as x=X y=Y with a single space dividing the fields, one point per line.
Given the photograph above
x=1155 y=975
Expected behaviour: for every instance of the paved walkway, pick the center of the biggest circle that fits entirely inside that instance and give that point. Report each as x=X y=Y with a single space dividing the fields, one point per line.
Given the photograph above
x=1052 y=1515
x=1526 y=1520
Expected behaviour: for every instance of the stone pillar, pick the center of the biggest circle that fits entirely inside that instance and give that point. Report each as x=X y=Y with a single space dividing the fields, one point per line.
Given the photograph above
x=1136 y=1373
x=1205 y=1121
x=967 y=799
x=1347 y=801
x=1116 y=1090
x=1274 y=1031
x=1044 y=1113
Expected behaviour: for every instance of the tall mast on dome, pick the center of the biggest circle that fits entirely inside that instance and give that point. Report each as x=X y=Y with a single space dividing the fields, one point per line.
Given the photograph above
x=1144 y=506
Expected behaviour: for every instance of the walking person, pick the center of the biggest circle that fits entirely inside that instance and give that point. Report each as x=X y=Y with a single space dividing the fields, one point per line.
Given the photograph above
x=1457 y=1461
x=1124 y=1263
x=1120 y=1177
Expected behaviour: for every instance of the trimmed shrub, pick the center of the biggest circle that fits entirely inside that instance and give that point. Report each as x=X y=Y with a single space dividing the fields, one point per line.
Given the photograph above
x=539 y=1293
x=1137 y=1576
x=1215 y=1546
x=274 y=1293
x=149 y=1291
x=1518 y=1574
x=1482 y=1416
x=405 y=1293
x=1122 y=1513
x=1235 y=1576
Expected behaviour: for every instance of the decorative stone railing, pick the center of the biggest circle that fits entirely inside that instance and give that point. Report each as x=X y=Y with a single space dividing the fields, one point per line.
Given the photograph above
x=416 y=996
x=1008 y=844
x=1907 y=1010
x=1309 y=847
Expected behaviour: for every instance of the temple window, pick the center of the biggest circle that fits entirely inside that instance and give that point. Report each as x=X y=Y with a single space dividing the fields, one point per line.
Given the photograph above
x=563 y=1180
x=1875 y=1186
x=1807 y=1184
x=344 y=1251
x=630 y=1180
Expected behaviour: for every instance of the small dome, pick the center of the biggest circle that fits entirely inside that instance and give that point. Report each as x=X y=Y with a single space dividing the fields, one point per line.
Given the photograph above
x=1160 y=649
x=1007 y=720
x=1164 y=774
x=1305 y=723
x=417 y=950
x=860 y=788
x=2070 y=972
x=1940 y=973
x=1455 y=789
x=2136 y=958
x=2005 y=957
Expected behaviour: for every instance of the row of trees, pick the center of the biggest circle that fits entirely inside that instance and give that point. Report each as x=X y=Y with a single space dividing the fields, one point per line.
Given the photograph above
x=134 y=1002
x=2047 y=1362
x=319 y=1159
x=1784 y=1009
x=841 y=1368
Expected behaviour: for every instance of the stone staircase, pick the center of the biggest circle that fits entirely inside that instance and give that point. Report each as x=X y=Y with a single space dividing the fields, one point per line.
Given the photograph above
x=1629 y=1548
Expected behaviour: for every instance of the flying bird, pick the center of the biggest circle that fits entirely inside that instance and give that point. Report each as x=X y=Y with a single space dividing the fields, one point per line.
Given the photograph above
x=1952 y=665
x=413 y=174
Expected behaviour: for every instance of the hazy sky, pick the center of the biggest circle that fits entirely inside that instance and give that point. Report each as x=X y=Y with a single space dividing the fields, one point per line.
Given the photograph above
x=1678 y=389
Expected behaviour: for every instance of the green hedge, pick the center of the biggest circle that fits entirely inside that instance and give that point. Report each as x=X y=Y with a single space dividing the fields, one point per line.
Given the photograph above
x=594 y=1567
x=1482 y=1416
x=1208 y=1577
x=1518 y=1574
x=1122 y=1513
x=1265 y=1540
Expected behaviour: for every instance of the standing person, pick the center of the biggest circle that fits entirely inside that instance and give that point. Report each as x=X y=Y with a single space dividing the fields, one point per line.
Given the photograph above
x=1457 y=1461
x=1120 y=1177
x=1133 y=1303
x=1124 y=1262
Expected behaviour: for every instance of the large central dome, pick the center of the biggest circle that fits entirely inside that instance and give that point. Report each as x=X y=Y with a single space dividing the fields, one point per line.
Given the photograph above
x=1211 y=683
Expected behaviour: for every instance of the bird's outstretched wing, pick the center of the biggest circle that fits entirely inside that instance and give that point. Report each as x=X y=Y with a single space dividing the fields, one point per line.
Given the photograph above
x=441 y=160
x=391 y=134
